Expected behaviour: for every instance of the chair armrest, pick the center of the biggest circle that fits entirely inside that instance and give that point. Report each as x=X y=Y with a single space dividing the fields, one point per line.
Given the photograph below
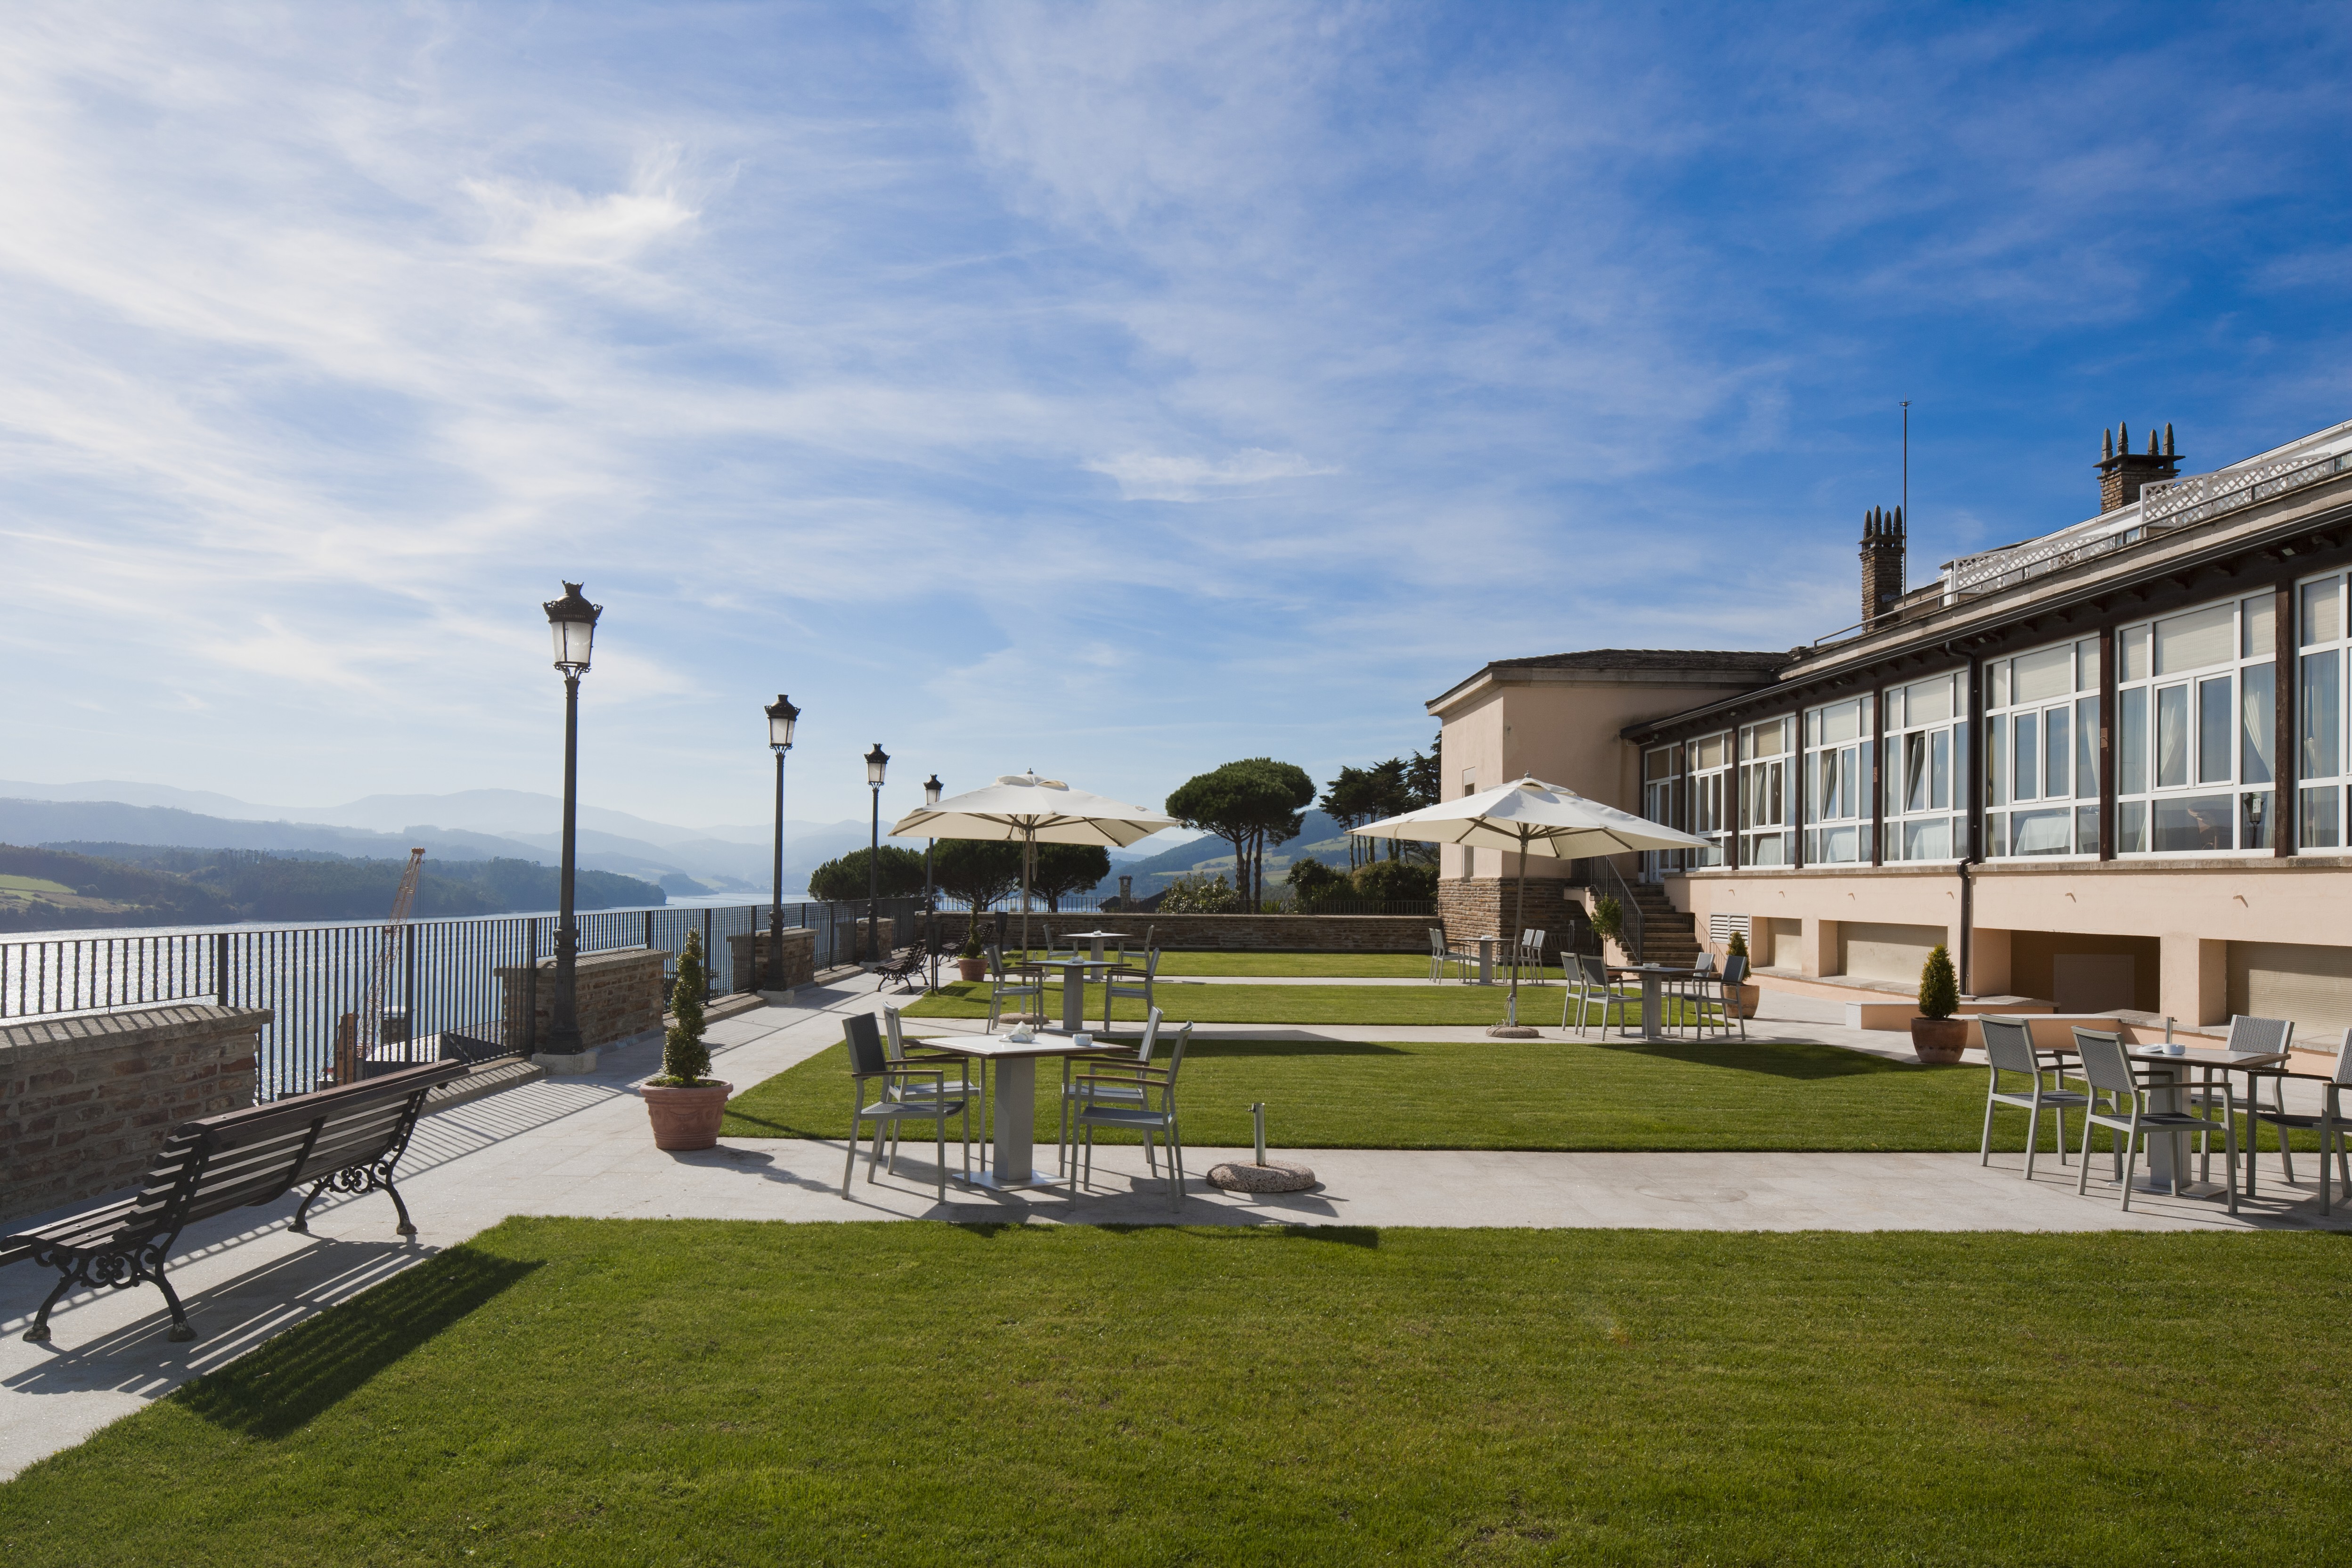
x=2328 y=1078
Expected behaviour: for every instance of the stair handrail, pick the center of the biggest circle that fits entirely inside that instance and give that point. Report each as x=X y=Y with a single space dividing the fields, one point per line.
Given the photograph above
x=1629 y=909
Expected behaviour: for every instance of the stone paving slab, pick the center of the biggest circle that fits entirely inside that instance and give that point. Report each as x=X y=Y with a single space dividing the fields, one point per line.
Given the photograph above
x=580 y=1146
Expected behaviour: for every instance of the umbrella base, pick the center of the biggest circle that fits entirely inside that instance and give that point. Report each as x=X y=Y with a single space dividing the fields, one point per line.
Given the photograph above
x=1513 y=1032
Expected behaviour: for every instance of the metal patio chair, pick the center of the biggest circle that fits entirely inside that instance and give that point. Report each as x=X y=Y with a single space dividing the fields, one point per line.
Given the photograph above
x=2126 y=1113
x=2263 y=1035
x=894 y=1047
x=2330 y=1122
x=1138 y=1055
x=869 y=1063
x=1588 y=981
x=2008 y=1046
x=1441 y=956
x=1154 y=1117
x=1528 y=954
x=1020 y=982
x=1720 y=992
x=1134 y=983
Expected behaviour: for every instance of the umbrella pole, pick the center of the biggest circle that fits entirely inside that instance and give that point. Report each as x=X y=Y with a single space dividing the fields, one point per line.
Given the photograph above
x=1519 y=931
x=1028 y=852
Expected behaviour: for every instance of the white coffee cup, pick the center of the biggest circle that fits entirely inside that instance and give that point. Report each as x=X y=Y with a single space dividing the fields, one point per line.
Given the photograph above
x=1083 y=1041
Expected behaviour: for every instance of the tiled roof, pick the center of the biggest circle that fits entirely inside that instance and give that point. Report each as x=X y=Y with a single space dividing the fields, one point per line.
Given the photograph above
x=1650 y=658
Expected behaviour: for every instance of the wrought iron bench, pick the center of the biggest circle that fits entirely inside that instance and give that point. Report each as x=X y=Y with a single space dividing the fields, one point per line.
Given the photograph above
x=346 y=1139
x=903 y=965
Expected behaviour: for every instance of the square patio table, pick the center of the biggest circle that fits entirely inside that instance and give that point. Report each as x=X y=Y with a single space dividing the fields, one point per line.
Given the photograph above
x=1099 y=937
x=2169 y=1154
x=1653 y=975
x=1015 y=1098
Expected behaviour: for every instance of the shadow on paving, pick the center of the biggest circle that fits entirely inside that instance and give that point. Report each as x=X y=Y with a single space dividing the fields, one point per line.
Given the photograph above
x=1792 y=1060
x=307 y=1370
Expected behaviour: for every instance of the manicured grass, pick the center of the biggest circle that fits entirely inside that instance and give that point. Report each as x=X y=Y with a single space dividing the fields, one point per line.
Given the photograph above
x=1338 y=966
x=583 y=1392
x=1502 y=1094
x=1460 y=1005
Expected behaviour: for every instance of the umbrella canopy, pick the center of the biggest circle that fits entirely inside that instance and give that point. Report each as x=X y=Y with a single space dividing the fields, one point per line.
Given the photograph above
x=1531 y=817
x=1025 y=809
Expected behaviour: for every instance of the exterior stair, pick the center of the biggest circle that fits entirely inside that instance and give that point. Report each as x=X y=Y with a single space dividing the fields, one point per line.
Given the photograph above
x=1669 y=936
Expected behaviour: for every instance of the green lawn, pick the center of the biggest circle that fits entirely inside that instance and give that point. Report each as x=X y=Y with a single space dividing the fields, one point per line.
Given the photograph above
x=1503 y=1094
x=1464 y=1005
x=587 y=1392
x=1338 y=966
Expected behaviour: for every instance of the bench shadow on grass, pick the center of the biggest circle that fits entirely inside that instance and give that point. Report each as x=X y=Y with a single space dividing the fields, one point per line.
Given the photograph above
x=307 y=1371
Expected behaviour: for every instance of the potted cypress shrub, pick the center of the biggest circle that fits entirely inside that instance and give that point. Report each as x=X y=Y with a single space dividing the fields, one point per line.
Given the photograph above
x=1608 y=922
x=1747 y=994
x=1935 y=1034
x=686 y=1108
x=971 y=959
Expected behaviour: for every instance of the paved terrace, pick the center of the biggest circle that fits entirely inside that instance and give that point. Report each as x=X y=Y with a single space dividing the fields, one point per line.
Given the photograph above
x=579 y=1147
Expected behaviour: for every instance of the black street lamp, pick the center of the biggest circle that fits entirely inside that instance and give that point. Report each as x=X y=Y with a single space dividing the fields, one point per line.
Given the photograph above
x=572 y=619
x=876 y=761
x=931 y=788
x=781 y=716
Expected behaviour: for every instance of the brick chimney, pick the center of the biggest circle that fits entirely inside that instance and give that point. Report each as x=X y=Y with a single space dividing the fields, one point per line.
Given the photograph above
x=2124 y=472
x=1882 y=562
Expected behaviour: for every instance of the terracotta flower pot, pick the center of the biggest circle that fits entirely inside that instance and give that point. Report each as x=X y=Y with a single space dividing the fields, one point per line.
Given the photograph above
x=685 y=1118
x=1746 y=997
x=1939 y=1039
x=972 y=968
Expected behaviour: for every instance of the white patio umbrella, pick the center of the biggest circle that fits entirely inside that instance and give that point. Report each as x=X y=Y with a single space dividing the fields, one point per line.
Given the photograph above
x=1530 y=817
x=1023 y=809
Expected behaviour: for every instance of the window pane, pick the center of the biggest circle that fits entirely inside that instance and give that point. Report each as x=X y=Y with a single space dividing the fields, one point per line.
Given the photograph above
x=1837 y=844
x=1999 y=697
x=1653 y=764
x=2213 y=738
x=2184 y=824
x=1939 y=771
x=2257 y=723
x=2131 y=654
x=2171 y=736
x=2322 y=822
x=2260 y=624
x=2320 y=707
x=2042 y=832
x=1841 y=721
x=2086 y=830
x=2131 y=828
x=2254 y=820
x=1929 y=838
x=2087 y=665
x=2043 y=675
x=2058 y=753
x=1996 y=834
x=1710 y=752
x=2131 y=742
x=1849 y=792
x=2029 y=756
x=2086 y=746
x=1770 y=738
x=1996 y=762
x=1926 y=701
x=2323 y=611
x=2196 y=639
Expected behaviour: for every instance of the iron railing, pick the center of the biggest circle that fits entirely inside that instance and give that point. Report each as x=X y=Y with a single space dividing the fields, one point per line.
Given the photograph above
x=1612 y=884
x=442 y=995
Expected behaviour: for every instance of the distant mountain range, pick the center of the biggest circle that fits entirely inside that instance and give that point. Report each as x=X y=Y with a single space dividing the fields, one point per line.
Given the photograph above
x=468 y=825
x=1320 y=838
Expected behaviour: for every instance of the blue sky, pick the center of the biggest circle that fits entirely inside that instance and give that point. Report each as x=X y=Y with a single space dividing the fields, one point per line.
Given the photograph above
x=1115 y=390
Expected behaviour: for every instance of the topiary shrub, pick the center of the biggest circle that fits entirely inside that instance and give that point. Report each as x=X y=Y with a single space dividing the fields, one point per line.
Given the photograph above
x=1940 y=988
x=1739 y=948
x=685 y=1059
x=1608 y=919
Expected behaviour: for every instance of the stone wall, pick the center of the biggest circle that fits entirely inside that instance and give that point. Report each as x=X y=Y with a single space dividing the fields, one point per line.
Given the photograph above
x=1268 y=933
x=85 y=1102
x=1473 y=907
x=618 y=993
x=747 y=968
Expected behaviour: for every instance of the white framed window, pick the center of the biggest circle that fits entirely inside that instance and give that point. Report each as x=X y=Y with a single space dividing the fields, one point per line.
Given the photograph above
x=1711 y=792
x=1925 y=768
x=2042 y=751
x=1764 y=755
x=1836 y=774
x=1663 y=784
x=2196 y=724
x=2321 y=653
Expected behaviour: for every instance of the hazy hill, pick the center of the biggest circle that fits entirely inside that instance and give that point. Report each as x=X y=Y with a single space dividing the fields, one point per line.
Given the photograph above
x=66 y=887
x=1320 y=838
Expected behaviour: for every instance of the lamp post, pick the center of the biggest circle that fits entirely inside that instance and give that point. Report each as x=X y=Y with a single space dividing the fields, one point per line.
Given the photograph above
x=780 y=715
x=931 y=789
x=573 y=620
x=876 y=761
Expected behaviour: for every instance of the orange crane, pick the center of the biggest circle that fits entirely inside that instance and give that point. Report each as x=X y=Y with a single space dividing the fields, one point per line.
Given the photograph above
x=357 y=1033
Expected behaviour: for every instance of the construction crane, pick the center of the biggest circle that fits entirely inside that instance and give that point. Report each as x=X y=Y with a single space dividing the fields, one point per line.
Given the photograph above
x=358 y=1034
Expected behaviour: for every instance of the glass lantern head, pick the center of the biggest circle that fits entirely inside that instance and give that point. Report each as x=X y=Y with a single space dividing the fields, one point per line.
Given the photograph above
x=572 y=619
x=780 y=715
x=931 y=788
x=876 y=761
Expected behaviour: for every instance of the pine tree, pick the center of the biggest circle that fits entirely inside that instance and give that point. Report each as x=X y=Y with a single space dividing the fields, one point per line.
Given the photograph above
x=1940 y=988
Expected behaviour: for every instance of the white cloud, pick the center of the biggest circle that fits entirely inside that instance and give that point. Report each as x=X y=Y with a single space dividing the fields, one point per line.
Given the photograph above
x=1148 y=476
